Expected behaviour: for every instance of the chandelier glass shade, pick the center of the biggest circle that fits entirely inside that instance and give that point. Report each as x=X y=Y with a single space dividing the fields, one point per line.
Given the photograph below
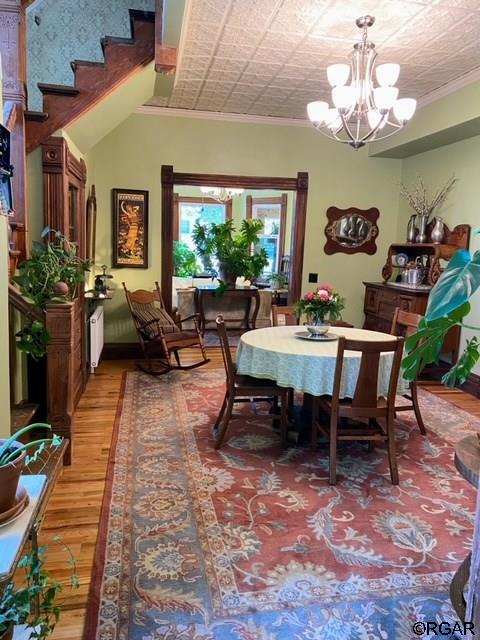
x=366 y=105
x=221 y=194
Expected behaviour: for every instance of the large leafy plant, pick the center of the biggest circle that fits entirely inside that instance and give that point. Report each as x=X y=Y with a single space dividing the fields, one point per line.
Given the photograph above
x=237 y=252
x=53 y=273
x=448 y=305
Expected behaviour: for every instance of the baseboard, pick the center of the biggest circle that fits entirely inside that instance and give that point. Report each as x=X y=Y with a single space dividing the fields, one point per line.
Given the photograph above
x=472 y=385
x=121 y=351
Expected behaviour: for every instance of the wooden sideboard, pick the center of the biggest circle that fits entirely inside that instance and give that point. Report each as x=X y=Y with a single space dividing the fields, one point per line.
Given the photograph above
x=381 y=300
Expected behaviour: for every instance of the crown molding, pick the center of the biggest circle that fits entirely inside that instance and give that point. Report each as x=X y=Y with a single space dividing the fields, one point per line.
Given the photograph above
x=152 y=110
x=446 y=89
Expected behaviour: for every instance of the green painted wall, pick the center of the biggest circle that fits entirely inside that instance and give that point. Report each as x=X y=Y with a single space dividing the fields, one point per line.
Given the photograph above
x=462 y=159
x=131 y=156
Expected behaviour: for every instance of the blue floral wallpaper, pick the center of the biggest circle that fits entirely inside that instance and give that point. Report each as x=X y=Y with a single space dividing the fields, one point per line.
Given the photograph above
x=59 y=31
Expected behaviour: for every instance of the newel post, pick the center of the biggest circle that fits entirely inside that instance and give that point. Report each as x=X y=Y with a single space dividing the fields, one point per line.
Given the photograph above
x=60 y=391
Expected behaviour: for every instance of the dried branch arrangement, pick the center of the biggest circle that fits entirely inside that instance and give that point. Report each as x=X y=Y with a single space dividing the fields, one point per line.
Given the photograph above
x=419 y=200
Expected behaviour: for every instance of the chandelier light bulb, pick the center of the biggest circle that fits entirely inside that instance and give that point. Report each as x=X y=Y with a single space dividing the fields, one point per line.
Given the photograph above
x=385 y=97
x=317 y=111
x=333 y=120
x=387 y=74
x=404 y=109
x=338 y=74
x=343 y=97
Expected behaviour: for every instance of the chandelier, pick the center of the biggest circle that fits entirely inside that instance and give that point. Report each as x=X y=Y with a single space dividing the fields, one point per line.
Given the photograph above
x=221 y=194
x=362 y=112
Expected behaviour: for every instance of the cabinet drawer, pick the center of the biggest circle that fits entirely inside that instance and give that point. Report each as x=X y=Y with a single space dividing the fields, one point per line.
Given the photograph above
x=371 y=300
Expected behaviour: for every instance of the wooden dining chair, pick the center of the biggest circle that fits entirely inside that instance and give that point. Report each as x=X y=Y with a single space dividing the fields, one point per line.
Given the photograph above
x=160 y=334
x=405 y=323
x=284 y=316
x=365 y=404
x=241 y=388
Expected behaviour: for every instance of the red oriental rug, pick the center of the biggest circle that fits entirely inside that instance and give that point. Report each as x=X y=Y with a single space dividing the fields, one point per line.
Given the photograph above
x=251 y=543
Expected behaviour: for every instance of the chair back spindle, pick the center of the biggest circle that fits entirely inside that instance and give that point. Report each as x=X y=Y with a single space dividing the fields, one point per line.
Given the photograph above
x=226 y=352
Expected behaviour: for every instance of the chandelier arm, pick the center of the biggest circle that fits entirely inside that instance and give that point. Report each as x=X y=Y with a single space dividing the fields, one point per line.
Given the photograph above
x=369 y=95
x=347 y=128
x=387 y=135
x=331 y=135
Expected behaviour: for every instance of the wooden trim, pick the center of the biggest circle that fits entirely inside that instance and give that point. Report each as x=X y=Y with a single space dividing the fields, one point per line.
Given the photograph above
x=121 y=351
x=472 y=385
x=178 y=199
x=298 y=184
x=283 y=202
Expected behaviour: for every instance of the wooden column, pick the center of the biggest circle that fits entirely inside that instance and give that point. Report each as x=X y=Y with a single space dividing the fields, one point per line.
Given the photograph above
x=167 y=234
x=299 y=221
x=60 y=373
x=13 y=51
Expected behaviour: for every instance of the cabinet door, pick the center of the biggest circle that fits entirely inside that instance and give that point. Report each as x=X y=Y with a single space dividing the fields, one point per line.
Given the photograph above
x=371 y=300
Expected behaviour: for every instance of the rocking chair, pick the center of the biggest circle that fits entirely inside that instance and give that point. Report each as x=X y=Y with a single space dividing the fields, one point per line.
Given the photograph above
x=161 y=335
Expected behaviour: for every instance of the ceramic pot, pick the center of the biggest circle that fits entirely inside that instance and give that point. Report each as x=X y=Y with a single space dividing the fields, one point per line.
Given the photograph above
x=412 y=229
x=8 y=634
x=9 y=477
x=422 y=231
x=438 y=231
x=227 y=276
x=316 y=324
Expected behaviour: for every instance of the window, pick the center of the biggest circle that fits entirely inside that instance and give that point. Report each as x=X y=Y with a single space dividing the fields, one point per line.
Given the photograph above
x=190 y=210
x=272 y=212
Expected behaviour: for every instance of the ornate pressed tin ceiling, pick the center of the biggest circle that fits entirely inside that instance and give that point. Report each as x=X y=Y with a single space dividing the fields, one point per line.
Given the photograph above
x=269 y=57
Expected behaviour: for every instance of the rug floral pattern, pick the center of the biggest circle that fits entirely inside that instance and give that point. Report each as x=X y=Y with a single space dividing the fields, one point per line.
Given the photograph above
x=251 y=543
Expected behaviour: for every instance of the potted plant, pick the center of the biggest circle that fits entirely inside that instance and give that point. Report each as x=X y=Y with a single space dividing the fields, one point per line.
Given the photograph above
x=448 y=305
x=14 y=457
x=53 y=273
x=320 y=306
x=233 y=251
x=35 y=602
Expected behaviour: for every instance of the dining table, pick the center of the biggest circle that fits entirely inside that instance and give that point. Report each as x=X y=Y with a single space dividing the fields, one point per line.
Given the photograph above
x=288 y=356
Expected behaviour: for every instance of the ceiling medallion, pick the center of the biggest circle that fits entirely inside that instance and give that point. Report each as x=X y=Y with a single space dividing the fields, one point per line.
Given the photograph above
x=221 y=194
x=362 y=112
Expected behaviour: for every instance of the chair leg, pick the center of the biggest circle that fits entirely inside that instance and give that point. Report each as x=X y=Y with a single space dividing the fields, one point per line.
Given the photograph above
x=284 y=420
x=332 y=467
x=224 y=425
x=416 y=408
x=392 y=455
x=291 y=398
x=177 y=358
x=314 y=434
x=222 y=411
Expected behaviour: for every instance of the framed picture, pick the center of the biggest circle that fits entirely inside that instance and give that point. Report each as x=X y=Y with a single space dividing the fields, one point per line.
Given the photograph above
x=6 y=172
x=130 y=228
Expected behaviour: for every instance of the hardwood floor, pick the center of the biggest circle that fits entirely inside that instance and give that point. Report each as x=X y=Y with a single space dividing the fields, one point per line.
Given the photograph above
x=74 y=508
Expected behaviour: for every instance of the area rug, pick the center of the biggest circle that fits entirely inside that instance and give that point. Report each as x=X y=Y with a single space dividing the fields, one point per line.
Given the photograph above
x=251 y=543
x=211 y=339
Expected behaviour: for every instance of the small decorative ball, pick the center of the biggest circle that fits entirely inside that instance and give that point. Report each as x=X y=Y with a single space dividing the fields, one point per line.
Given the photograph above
x=61 y=288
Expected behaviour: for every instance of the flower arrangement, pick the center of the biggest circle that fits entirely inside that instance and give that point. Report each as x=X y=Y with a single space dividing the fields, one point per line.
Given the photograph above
x=419 y=200
x=321 y=305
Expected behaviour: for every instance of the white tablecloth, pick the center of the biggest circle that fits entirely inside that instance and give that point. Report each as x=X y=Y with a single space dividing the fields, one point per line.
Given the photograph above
x=277 y=354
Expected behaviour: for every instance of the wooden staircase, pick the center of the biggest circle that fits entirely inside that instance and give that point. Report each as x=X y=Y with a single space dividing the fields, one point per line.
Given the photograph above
x=123 y=57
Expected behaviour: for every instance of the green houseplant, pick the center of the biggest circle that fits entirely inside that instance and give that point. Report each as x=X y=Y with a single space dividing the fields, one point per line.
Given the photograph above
x=53 y=273
x=35 y=602
x=15 y=455
x=448 y=305
x=234 y=251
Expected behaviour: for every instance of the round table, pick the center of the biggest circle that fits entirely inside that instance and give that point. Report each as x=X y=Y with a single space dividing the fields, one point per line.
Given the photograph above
x=278 y=354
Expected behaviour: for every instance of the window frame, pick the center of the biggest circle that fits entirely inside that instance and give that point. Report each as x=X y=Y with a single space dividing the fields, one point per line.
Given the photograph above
x=278 y=200
x=179 y=199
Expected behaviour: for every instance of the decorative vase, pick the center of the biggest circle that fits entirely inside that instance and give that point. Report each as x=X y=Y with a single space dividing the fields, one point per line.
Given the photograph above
x=316 y=324
x=9 y=476
x=422 y=231
x=438 y=231
x=227 y=276
x=412 y=229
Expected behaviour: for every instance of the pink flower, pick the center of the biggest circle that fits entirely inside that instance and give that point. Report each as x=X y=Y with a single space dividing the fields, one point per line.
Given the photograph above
x=326 y=287
x=323 y=295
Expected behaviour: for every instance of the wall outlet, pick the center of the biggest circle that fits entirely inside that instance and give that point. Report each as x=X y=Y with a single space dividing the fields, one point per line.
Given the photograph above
x=313 y=277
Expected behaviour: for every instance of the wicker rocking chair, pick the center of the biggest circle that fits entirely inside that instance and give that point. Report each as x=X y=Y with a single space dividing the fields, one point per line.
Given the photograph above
x=160 y=334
